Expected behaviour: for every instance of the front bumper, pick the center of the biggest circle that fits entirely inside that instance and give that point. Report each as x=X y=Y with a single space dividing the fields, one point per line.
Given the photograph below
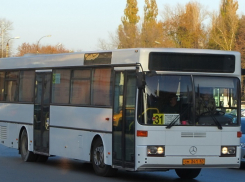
x=147 y=163
x=176 y=162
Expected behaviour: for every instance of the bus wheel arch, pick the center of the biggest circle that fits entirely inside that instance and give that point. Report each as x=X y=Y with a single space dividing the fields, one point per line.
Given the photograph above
x=97 y=158
x=96 y=137
x=26 y=155
x=19 y=139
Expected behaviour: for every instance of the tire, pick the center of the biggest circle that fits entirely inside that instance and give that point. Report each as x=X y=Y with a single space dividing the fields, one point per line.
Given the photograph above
x=99 y=166
x=42 y=158
x=26 y=155
x=187 y=173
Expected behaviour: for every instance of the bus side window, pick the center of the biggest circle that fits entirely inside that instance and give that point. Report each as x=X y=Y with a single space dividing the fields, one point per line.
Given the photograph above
x=11 y=86
x=2 y=74
x=61 y=86
x=26 y=92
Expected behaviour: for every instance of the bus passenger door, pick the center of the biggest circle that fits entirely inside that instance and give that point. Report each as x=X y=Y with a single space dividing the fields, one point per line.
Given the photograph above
x=41 y=112
x=124 y=119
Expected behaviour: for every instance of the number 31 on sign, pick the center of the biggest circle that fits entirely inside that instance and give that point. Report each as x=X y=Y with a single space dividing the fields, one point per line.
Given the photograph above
x=158 y=119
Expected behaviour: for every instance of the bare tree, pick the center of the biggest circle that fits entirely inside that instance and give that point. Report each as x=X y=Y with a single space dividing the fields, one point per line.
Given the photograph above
x=5 y=28
x=111 y=43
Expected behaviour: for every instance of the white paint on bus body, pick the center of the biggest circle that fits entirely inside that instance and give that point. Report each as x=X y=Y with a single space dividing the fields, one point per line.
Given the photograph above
x=17 y=112
x=85 y=118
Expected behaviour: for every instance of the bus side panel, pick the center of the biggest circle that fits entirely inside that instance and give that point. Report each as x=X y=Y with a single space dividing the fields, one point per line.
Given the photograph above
x=4 y=130
x=21 y=113
x=76 y=144
x=72 y=130
x=69 y=143
x=10 y=132
x=84 y=118
x=12 y=118
x=107 y=141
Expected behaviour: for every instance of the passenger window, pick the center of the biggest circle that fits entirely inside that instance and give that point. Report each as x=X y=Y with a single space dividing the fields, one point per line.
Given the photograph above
x=1 y=86
x=26 y=91
x=80 y=87
x=11 y=86
x=61 y=86
x=102 y=87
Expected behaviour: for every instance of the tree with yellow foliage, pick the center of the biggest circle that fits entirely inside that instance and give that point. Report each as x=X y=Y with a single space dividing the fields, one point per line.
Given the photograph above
x=27 y=48
x=151 y=30
x=224 y=26
x=128 y=34
x=185 y=25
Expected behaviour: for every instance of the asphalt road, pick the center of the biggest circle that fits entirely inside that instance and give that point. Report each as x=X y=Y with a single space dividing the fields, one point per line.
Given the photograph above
x=58 y=169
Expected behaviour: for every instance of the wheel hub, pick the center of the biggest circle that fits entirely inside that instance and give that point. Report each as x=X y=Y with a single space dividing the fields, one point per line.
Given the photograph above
x=99 y=156
x=24 y=146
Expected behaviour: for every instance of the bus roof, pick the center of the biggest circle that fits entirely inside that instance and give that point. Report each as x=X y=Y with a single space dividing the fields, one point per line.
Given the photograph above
x=107 y=57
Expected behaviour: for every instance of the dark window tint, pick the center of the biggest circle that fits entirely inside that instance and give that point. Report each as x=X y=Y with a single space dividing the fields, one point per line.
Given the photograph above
x=11 y=86
x=190 y=62
x=97 y=58
x=80 y=87
x=61 y=86
x=101 y=92
x=26 y=92
x=1 y=86
x=12 y=75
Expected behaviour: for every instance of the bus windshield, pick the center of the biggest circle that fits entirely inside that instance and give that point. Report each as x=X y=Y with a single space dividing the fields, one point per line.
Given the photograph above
x=188 y=100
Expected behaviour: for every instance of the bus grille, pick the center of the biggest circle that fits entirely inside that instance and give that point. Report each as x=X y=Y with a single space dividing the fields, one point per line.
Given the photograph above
x=3 y=132
x=193 y=134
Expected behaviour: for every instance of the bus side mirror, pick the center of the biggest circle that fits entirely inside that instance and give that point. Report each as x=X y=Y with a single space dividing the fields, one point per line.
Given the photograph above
x=140 y=80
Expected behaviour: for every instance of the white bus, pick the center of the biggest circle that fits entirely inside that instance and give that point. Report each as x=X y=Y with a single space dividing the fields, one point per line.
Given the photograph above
x=110 y=108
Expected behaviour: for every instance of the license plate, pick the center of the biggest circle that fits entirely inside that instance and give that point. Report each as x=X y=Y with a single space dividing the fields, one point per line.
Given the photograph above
x=193 y=161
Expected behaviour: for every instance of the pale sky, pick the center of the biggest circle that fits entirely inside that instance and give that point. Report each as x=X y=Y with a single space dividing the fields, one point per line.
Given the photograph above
x=77 y=24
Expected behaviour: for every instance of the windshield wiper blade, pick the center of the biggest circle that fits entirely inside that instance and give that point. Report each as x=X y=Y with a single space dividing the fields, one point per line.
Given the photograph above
x=173 y=122
x=216 y=121
x=176 y=118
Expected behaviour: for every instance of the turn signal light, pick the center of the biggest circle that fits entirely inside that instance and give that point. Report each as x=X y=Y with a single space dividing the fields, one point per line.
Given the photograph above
x=239 y=134
x=141 y=133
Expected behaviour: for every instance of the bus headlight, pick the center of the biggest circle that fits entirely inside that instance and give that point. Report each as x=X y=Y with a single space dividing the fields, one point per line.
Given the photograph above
x=156 y=151
x=228 y=151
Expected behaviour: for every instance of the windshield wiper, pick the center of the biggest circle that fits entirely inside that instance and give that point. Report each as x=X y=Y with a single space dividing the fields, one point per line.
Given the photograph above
x=215 y=121
x=176 y=118
x=173 y=122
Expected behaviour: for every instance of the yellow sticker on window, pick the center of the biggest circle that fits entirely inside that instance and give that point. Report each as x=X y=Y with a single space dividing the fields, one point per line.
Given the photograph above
x=158 y=119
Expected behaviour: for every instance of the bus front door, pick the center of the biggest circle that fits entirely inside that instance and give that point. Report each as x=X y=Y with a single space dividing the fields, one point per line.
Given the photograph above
x=124 y=119
x=41 y=112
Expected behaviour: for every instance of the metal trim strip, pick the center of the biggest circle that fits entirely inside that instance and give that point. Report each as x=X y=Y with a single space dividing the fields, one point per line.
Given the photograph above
x=82 y=129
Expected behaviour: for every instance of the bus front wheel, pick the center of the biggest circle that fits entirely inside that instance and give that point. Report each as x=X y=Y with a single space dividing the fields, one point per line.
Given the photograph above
x=26 y=155
x=99 y=166
x=187 y=173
